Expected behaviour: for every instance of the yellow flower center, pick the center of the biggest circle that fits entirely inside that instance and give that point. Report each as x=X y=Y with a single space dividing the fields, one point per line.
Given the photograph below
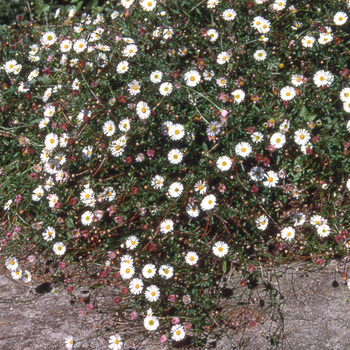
x=224 y=163
x=322 y=78
x=127 y=270
x=116 y=341
x=302 y=137
x=167 y=227
x=192 y=258
x=220 y=249
x=270 y=179
x=87 y=218
x=288 y=93
x=153 y=294
x=143 y=109
x=210 y=202
x=175 y=156
x=278 y=140
x=192 y=78
x=178 y=332
x=243 y=150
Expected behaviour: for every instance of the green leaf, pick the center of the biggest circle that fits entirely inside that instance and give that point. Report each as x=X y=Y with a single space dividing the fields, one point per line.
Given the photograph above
x=44 y=79
x=224 y=266
x=38 y=7
x=304 y=112
x=308 y=116
x=70 y=223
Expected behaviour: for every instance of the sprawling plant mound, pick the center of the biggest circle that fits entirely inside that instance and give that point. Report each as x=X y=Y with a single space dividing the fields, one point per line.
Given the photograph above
x=170 y=141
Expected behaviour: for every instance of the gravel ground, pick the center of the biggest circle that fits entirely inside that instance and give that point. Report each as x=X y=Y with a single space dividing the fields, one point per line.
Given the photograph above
x=301 y=307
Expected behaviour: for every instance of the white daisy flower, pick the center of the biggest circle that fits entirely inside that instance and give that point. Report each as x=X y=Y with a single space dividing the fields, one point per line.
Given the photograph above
x=302 y=137
x=287 y=93
x=208 y=202
x=122 y=67
x=156 y=77
x=11 y=263
x=130 y=50
x=49 y=234
x=167 y=226
x=238 y=95
x=66 y=45
x=257 y=137
x=243 y=149
x=271 y=179
x=149 y=270
x=136 y=286
x=213 y=35
x=260 y=55
x=323 y=230
x=166 y=271
x=126 y=271
x=262 y=222
x=224 y=163
x=229 y=15
x=308 y=41
x=288 y=233
x=115 y=342
x=177 y=331
x=176 y=132
x=148 y=5
x=191 y=258
x=157 y=182
x=220 y=249
x=340 y=18
x=175 y=156
x=175 y=189
x=132 y=242
x=48 y=38
x=152 y=293
x=323 y=78
x=223 y=57
x=165 y=89
x=80 y=45
x=151 y=323
x=278 y=140
x=108 y=128
x=86 y=218
x=192 y=211
x=143 y=110
x=59 y=248
x=16 y=274
x=192 y=78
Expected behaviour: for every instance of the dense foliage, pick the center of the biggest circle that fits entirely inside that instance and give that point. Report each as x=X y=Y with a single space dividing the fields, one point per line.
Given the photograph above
x=170 y=141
